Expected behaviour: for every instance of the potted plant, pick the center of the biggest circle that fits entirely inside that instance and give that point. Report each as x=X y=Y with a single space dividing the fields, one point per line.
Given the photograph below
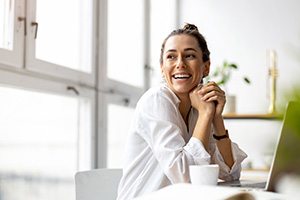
x=222 y=76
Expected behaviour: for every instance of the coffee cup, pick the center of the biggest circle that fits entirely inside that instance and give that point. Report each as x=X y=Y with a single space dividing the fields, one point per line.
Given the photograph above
x=204 y=174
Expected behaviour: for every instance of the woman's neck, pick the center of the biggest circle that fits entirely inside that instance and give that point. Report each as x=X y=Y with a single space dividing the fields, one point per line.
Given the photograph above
x=185 y=104
x=184 y=107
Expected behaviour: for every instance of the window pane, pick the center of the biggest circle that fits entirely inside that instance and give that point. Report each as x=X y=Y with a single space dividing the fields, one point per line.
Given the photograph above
x=6 y=24
x=39 y=144
x=117 y=131
x=65 y=33
x=125 y=47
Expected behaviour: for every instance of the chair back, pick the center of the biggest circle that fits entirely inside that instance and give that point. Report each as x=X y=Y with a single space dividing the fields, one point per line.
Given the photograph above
x=97 y=184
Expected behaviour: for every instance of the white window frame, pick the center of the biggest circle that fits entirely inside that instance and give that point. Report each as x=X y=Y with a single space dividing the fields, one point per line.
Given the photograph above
x=44 y=67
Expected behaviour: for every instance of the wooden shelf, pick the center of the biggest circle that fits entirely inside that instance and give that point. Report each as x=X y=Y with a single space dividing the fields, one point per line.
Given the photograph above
x=253 y=116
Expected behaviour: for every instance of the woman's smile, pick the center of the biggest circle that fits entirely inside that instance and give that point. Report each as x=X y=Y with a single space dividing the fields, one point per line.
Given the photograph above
x=182 y=76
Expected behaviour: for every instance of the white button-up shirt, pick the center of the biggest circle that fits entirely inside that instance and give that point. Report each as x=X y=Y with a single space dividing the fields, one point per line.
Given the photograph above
x=160 y=147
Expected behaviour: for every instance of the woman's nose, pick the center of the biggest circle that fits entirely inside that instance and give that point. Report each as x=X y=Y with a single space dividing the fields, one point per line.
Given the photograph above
x=180 y=63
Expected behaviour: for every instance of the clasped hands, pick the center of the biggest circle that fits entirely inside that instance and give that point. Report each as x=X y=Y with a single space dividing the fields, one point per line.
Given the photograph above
x=208 y=99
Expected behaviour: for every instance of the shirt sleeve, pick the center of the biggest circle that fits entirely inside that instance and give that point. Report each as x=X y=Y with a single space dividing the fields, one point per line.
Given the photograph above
x=226 y=173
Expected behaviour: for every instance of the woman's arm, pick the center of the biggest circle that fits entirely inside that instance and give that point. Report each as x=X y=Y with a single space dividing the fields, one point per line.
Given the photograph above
x=232 y=156
x=206 y=112
x=212 y=93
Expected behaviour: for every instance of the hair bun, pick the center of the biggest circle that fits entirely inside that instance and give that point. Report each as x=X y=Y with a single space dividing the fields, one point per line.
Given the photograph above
x=190 y=27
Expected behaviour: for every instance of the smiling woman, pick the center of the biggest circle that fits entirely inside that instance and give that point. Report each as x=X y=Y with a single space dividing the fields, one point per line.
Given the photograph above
x=178 y=123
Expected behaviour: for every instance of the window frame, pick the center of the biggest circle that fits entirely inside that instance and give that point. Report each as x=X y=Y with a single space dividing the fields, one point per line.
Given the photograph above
x=39 y=66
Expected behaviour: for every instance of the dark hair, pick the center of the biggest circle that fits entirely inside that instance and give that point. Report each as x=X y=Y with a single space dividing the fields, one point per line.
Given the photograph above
x=189 y=29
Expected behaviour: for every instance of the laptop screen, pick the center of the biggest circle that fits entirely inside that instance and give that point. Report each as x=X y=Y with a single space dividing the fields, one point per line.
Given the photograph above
x=286 y=158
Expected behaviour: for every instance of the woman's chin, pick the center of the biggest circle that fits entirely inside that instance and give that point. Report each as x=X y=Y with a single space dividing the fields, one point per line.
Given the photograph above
x=183 y=91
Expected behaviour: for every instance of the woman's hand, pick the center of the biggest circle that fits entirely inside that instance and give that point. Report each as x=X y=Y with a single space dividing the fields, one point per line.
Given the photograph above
x=211 y=92
x=198 y=102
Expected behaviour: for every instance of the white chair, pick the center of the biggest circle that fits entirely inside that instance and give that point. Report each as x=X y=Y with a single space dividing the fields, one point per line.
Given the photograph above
x=97 y=184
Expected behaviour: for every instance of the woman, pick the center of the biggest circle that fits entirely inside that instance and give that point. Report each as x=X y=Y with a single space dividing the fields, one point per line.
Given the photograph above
x=178 y=123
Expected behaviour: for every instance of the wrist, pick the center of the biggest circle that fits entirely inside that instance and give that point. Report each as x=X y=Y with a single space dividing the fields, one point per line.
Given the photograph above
x=218 y=119
x=206 y=114
x=219 y=126
x=220 y=137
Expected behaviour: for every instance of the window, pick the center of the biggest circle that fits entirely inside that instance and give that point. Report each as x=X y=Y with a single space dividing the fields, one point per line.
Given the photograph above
x=45 y=138
x=48 y=97
x=122 y=73
x=70 y=43
x=6 y=24
x=115 y=115
x=60 y=37
x=123 y=40
x=117 y=135
x=12 y=33
x=125 y=49
x=62 y=45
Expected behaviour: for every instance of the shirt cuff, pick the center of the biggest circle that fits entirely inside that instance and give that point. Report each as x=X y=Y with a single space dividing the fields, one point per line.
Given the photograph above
x=198 y=152
x=225 y=172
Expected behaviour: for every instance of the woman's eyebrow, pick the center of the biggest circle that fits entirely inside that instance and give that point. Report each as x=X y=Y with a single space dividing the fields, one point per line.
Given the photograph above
x=171 y=50
x=190 y=49
x=186 y=49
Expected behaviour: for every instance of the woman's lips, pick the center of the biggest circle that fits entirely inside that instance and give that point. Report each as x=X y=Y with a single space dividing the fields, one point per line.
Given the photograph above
x=181 y=76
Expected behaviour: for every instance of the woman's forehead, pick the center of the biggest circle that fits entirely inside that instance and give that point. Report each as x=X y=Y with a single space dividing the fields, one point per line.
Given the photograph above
x=181 y=42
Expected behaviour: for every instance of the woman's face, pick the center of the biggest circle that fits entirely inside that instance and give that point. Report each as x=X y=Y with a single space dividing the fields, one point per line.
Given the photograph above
x=182 y=66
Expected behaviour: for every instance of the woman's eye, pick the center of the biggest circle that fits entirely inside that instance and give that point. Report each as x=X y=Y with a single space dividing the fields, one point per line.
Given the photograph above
x=190 y=56
x=170 y=56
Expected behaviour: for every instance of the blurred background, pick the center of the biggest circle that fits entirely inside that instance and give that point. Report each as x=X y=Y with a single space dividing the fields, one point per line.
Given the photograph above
x=71 y=72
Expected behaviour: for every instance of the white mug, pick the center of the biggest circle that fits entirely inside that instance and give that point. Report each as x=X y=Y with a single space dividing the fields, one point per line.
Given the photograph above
x=204 y=174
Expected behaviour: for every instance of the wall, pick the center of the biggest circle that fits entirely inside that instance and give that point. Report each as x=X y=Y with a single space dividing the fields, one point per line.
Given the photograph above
x=241 y=32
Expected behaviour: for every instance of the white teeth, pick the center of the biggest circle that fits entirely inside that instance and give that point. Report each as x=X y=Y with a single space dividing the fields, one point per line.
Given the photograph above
x=181 y=76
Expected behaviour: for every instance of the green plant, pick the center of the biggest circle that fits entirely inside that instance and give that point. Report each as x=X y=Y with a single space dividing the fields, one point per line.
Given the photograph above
x=290 y=93
x=223 y=74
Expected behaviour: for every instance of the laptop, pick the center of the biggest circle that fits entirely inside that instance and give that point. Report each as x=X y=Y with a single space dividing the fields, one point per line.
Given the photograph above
x=286 y=158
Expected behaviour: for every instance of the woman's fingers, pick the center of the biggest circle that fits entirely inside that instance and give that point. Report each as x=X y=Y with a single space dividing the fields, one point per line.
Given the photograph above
x=211 y=86
x=198 y=103
x=213 y=96
x=212 y=92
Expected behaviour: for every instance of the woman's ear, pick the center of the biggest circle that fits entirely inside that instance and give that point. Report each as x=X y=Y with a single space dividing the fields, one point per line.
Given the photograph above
x=206 y=68
x=162 y=71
